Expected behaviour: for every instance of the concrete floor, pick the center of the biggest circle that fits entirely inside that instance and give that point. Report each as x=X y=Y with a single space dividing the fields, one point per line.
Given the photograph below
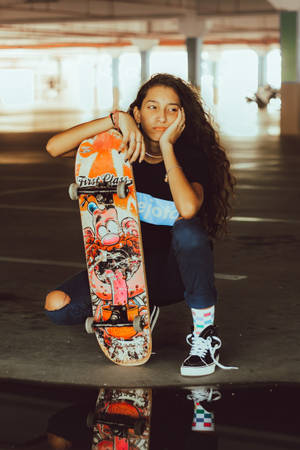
x=258 y=313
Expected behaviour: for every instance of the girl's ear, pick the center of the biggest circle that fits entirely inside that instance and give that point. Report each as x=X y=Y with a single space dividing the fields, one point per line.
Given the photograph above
x=136 y=114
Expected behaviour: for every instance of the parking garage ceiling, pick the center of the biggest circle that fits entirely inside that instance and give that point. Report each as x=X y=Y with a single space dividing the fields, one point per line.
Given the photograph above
x=26 y=23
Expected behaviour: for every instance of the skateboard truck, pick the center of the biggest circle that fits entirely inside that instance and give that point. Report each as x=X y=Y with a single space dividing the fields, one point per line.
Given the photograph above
x=120 y=424
x=103 y=191
x=118 y=318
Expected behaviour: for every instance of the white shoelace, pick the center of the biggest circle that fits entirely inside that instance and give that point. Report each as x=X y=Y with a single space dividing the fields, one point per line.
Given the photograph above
x=204 y=393
x=201 y=346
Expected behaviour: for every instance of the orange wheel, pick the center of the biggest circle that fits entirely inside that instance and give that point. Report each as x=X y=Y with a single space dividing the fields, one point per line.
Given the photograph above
x=124 y=408
x=132 y=312
x=121 y=332
x=106 y=313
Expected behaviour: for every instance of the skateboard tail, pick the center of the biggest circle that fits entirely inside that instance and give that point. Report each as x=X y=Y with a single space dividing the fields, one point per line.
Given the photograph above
x=129 y=362
x=122 y=419
x=133 y=352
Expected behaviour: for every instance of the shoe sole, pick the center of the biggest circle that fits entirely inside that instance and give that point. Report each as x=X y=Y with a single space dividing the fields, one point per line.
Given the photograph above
x=198 y=372
x=153 y=317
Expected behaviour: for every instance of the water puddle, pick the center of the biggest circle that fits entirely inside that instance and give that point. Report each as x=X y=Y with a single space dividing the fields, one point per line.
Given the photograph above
x=37 y=416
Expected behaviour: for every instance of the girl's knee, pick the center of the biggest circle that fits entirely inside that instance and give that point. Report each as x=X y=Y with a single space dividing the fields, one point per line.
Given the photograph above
x=56 y=300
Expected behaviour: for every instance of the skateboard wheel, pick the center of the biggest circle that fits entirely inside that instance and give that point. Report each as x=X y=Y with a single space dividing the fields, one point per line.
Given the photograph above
x=122 y=189
x=139 y=427
x=90 y=420
x=89 y=325
x=138 y=323
x=132 y=312
x=73 y=191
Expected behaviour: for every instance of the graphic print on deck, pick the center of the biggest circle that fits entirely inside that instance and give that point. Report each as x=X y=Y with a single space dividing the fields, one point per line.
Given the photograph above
x=113 y=248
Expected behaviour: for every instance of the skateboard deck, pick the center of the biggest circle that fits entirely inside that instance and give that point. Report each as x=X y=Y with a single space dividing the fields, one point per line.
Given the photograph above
x=113 y=248
x=122 y=419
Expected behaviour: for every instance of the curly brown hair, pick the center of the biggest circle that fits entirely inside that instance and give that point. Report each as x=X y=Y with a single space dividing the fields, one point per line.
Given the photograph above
x=200 y=134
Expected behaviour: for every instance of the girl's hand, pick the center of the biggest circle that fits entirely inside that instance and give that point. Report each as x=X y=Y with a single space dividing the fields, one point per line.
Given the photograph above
x=173 y=131
x=133 y=141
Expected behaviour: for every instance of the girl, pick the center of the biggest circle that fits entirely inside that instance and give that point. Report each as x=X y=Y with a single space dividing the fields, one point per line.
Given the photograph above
x=182 y=171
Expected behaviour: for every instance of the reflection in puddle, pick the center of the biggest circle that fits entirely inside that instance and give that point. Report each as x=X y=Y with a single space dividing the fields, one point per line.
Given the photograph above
x=122 y=419
x=141 y=419
x=200 y=418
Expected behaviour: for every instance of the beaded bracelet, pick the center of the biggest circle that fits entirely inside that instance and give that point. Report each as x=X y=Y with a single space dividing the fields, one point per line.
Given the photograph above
x=114 y=116
x=112 y=119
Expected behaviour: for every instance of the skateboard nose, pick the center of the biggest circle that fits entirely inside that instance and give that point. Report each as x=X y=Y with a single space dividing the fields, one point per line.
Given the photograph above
x=110 y=239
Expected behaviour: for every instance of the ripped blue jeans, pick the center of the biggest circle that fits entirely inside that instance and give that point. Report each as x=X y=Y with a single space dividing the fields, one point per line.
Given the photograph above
x=186 y=271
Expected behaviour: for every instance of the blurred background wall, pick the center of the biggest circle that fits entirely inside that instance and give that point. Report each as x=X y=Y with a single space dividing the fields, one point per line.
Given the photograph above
x=64 y=62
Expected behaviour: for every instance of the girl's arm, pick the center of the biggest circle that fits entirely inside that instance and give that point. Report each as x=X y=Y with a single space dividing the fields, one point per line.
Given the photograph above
x=188 y=197
x=65 y=142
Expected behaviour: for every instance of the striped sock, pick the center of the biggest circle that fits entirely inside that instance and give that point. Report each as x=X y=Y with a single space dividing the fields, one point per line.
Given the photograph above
x=203 y=420
x=202 y=318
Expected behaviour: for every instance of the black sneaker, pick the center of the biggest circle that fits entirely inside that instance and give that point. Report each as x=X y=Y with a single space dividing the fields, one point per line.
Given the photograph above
x=154 y=313
x=204 y=354
x=204 y=395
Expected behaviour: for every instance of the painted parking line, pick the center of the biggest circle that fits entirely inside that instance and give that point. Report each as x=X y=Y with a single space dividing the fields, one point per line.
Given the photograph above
x=270 y=166
x=257 y=187
x=38 y=208
x=226 y=276
x=50 y=262
x=26 y=178
x=33 y=189
x=263 y=219
x=75 y=210
x=45 y=262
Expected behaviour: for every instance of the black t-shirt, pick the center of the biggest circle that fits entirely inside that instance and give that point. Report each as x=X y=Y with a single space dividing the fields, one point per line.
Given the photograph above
x=156 y=206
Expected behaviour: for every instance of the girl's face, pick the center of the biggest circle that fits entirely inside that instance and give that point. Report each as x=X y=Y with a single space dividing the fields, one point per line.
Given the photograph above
x=158 y=110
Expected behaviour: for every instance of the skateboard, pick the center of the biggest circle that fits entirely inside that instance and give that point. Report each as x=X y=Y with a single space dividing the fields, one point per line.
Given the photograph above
x=108 y=206
x=122 y=419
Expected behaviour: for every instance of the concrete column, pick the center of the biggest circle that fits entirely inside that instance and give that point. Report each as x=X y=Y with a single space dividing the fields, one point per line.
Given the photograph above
x=214 y=57
x=289 y=37
x=59 y=75
x=193 y=28
x=194 y=50
x=115 y=81
x=290 y=88
x=145 y=65
x=214 y=73
x=262 y=68
x=145 y=46
x=96 y=96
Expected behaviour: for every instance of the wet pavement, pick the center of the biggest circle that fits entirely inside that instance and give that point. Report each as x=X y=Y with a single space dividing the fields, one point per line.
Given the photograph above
x=205 y=417
x=257 y=278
